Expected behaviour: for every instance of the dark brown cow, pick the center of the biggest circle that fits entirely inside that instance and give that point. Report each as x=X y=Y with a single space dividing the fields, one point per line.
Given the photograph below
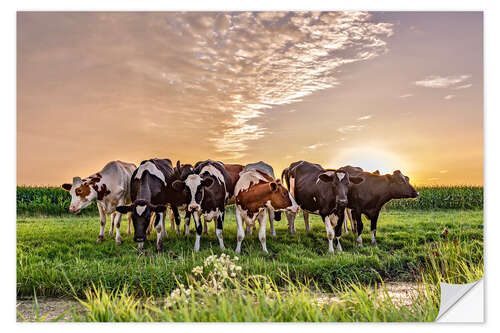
x=372 y=194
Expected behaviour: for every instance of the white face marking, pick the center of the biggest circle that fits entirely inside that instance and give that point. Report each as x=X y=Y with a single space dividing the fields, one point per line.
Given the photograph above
x=340 y=175
x=152 y=169
x=140 y=209
x=214 y=172
x=192 y=182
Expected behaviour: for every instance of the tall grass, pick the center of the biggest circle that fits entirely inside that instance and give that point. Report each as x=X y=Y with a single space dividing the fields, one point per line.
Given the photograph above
x=257 y=298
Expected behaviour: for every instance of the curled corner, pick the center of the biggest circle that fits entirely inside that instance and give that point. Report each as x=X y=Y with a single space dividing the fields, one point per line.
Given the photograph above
x=461 y=302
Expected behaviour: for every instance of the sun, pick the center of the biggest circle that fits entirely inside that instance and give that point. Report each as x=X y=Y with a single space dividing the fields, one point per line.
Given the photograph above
x=368 y=158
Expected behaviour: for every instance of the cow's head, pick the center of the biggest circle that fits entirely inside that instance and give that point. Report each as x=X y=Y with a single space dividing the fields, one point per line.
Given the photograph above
x=279 y=197
x=83 y=192
x=194 y=188
x=141 y=215
x=400 y=186
x=340 y=181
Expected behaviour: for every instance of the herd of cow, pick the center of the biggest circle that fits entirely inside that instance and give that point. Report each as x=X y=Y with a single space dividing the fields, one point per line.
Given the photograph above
x=203 y=190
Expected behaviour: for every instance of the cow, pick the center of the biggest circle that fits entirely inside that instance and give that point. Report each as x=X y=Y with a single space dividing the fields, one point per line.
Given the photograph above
x=371 y=195
x=110 y=188
x=209 y=188
x=319 y=191
x=268 y=170
x=179 y=200
x=150 y=192
x=353 y=171
x=255 y=193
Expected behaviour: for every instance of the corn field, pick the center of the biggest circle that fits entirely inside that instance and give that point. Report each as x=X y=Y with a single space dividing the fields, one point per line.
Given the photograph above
x=55 y=201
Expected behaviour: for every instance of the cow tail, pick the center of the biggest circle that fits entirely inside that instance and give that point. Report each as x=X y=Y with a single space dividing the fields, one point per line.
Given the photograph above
x=284 y=174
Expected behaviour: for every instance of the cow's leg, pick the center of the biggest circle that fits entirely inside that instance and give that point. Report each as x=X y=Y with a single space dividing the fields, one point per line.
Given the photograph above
x=159 y=231
x=112 y=224
x=291 y=222
x=187 y=219
x=271 y=221
x=262 y=230
x=359 y=226
x=129 y=219
x=117 y=222
x=345 y=222
x=151 y=223
x=199 y=230
x=102 y=218
x=329 y=232
x=172 y=219
x=248 y=229
x=177 y=218
x=348 y=212
x=374 y=229
x=239 y=231
x=306 y=220
x=218 y=229
x=338 y=229
x=205 y=226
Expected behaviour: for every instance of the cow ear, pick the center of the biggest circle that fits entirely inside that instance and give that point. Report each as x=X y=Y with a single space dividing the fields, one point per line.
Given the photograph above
x=376 y=172
x=158 y=208
x=273 y=186
x=76 y=180
x=356 y=180
x=178 y=185
x=124 y=209
x=325 y=177
x=67 y=186
x=207 y=182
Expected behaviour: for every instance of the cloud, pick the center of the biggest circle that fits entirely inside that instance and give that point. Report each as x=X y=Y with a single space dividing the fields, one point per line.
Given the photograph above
x=369 y=116
x=433 y=179
x=316 y=145
x=435 y=81
x=405 y=95
x=350 y=128
x=448 y=97
x=443 y=171
x=465 y=86
x=222 y=71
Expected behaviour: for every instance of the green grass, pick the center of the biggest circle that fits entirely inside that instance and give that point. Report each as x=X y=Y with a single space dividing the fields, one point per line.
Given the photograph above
x=60 y=257
x=53 y=201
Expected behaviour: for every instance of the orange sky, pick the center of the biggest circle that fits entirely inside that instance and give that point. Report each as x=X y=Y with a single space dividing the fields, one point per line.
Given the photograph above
x=383 y=90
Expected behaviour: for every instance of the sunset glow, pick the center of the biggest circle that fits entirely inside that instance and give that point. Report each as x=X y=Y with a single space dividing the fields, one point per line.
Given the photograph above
x=382 y=90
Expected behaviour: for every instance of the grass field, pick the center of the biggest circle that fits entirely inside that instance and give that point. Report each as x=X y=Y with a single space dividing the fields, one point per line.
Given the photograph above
x=59 y=256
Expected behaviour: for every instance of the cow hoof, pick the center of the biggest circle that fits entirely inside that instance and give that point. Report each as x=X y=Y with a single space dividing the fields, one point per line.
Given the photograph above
x=374 y=244
x=164 y=235
x=293 y=232
x=119 y=242
x=273 y=234
x=100 y=239
x=129 y=232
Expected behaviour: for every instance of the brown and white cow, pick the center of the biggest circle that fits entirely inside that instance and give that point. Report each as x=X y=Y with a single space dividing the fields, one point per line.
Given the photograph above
x=110 y=188
x=256 y=193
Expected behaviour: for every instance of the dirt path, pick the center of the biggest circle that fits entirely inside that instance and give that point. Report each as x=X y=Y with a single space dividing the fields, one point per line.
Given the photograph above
x=49 y=307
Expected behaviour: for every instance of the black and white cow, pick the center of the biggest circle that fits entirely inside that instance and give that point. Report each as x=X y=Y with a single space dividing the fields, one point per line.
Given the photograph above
x=208 y=189
x=322 y=192
x=179 y=200
x=110 y=188
x=149 y=194
x=268 y=170
x=372 y=194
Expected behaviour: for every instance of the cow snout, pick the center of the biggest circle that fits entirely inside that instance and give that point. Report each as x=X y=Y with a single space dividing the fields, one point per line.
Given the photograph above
x=414 y=194
x=139 y=239
x=73 y=209
x=193 y=207
x=342 y=202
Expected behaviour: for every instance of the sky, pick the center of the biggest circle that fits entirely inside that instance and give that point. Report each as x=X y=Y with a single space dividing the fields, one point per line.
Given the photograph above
x=379 y=90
